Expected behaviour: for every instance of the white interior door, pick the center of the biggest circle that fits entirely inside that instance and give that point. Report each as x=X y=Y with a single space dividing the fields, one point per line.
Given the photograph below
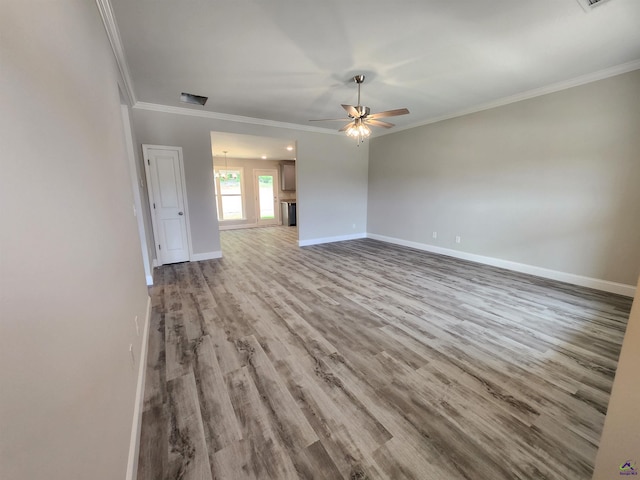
x=167 y=195
x=266 y=192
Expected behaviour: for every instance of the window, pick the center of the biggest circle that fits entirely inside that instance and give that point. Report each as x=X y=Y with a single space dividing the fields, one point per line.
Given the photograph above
x=229 y=191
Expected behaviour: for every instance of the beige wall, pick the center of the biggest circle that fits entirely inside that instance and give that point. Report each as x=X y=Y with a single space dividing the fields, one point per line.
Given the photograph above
x=620 y=441
x=331 y=174
x=248 y=166
x=550 y=182
x=71 y=276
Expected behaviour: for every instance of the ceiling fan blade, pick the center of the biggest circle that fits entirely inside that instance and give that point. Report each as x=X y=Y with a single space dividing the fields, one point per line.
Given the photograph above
x=378 y=123
x=351 y=110
x=330 y=120
x=346 y=127
x=389 y=113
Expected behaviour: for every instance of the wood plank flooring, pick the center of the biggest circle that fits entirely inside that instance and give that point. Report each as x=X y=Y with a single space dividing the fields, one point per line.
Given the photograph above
x=363 y=360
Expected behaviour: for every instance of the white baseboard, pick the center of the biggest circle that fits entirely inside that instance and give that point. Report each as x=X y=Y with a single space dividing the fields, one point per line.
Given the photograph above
x=198 y=257
x=134 y=444
x=240 y=226
x=341 y=238
x=237 y=226
x=604 y=285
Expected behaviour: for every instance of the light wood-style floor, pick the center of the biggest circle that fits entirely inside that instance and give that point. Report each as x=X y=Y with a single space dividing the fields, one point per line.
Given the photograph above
x=363 y=360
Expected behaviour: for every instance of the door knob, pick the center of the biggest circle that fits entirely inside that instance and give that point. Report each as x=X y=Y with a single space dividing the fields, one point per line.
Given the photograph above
x=180 y=213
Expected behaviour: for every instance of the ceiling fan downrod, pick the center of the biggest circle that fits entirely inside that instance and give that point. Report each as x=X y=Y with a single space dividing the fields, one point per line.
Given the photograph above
x=359 y=79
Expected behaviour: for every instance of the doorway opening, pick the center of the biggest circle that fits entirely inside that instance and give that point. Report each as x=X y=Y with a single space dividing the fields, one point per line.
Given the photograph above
x=266 y=188
x=254 y=180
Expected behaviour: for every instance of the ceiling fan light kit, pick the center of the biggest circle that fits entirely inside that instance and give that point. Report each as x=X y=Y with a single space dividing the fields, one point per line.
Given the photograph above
x=359 y=127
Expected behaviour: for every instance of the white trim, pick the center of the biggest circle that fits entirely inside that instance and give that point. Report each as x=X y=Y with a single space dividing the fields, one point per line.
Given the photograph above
x=154 y=263
x=241 y=226
x=218 y=191
x=134 y=443
x=110 y=25
x=237 y=226
x=198 y=257
x=340 y=238
x=556 y=87
x=106 y=12
x=604 y=285
x=135 y=186
x=149 y=280
x=155 y=107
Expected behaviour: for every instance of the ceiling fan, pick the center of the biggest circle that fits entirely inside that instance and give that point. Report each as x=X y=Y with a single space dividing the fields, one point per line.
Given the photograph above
x=362 y=118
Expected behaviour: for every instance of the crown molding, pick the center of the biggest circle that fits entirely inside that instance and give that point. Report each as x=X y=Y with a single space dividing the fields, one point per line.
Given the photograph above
x=538 y=92
x=110 y=25
x=155 y=107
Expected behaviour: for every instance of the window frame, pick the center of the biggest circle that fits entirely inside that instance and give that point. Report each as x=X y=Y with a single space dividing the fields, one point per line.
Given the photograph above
x=219 y=194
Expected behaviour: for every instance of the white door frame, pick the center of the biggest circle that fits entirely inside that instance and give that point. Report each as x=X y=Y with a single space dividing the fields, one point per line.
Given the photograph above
x=276 y=191
x=150 y=186
x=137 y=198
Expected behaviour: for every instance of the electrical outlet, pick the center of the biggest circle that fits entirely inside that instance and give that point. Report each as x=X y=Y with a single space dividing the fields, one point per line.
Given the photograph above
x=434 y=235
x=135 y=320
x=458 y=239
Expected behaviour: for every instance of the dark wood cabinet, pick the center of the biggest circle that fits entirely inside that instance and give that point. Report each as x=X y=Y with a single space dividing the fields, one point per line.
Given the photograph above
x=288 y=176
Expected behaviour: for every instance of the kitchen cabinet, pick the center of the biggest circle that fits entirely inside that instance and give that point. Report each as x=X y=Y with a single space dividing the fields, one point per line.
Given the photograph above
x=288 y=176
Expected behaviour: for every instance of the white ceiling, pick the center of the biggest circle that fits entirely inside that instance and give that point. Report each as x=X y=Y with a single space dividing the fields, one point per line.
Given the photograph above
x=292 y=60
x=251 y=147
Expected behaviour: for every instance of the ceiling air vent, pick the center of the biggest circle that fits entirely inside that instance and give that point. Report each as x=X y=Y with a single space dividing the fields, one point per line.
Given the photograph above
x=196 y=99
x=589 y=5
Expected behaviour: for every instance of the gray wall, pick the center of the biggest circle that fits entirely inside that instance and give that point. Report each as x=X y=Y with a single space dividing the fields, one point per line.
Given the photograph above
x=71 y=276
x=550 y=182
x=331 y=170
